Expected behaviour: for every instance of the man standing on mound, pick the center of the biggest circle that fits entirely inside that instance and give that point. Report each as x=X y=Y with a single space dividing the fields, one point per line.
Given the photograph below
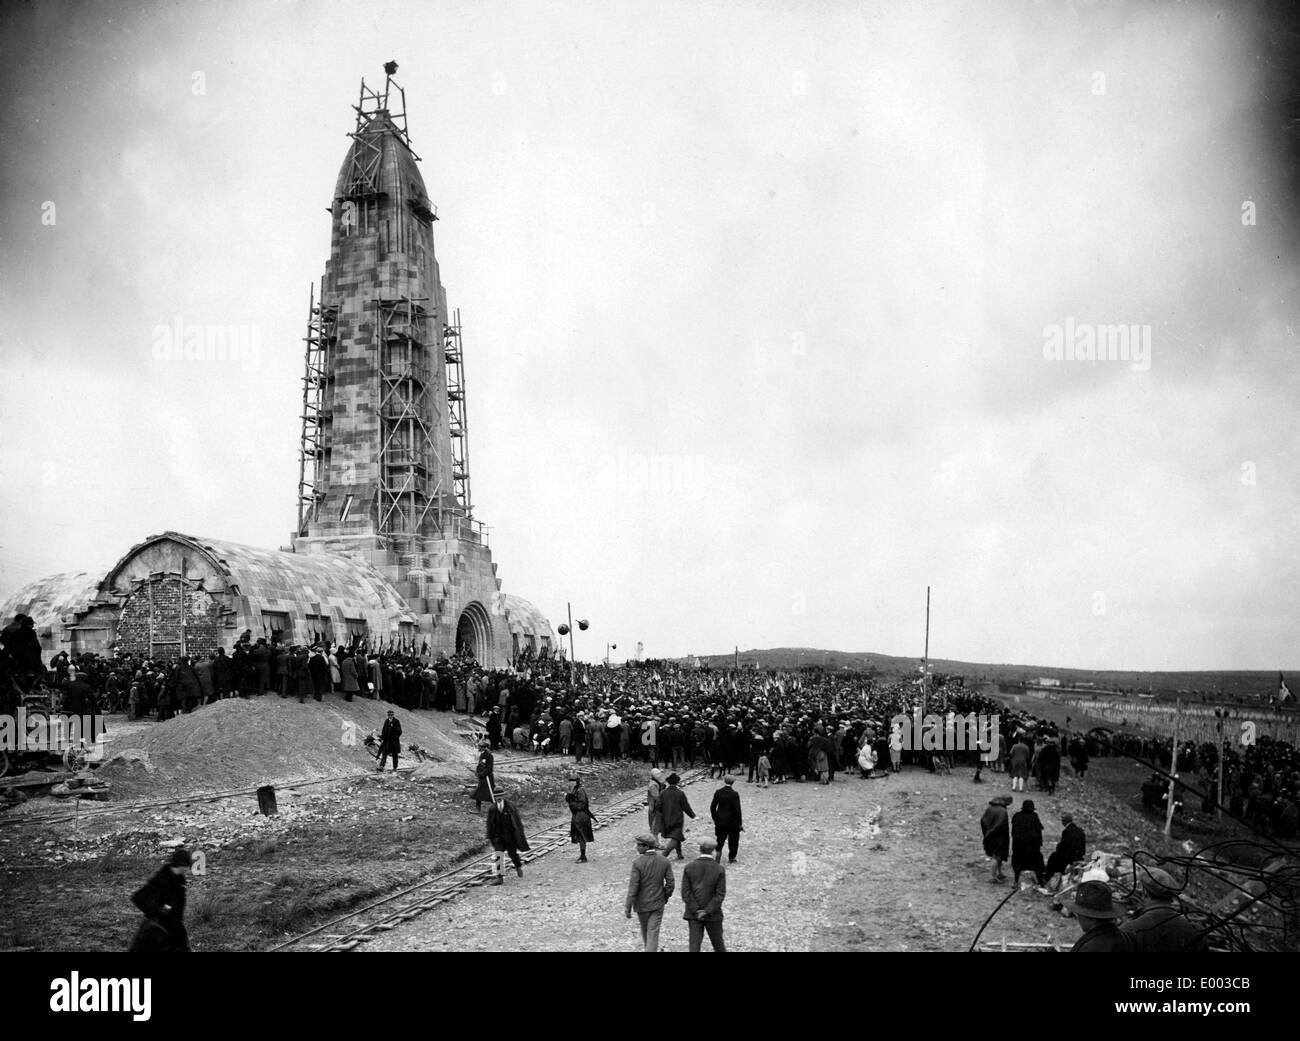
x=390 y=741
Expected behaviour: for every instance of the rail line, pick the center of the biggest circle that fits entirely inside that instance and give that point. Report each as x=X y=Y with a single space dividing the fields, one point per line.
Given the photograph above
x=349 y=931
x=62 y=816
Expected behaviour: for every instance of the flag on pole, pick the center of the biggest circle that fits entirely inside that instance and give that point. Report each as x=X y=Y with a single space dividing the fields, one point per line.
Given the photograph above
x=1284 y=695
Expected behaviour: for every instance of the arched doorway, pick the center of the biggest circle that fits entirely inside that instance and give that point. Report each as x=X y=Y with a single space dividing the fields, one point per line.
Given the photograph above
x=474 y=633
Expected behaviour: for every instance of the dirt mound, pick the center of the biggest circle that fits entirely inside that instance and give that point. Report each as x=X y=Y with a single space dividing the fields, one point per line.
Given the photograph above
x=271 y=740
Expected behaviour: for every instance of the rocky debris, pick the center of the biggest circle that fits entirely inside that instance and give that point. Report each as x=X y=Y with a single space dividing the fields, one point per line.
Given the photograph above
x=82 y=786
x=127 y=761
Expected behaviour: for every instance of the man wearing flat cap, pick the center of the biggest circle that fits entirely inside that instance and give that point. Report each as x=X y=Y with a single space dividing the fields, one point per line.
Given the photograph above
x=648 y=890
x=1095 y=909
x=725 y=811
x=1162 y=926
x=704 y=887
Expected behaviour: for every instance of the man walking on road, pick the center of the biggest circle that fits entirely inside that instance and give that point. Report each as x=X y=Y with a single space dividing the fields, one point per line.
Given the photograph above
x=725 y=811
x=704 y=887
x=648 y=890
x=675 y=808
x=506 y=833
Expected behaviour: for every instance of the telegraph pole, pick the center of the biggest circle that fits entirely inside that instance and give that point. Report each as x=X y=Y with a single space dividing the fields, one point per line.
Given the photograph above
x=1173 y=771
x=1223 y=760
x=925 y=661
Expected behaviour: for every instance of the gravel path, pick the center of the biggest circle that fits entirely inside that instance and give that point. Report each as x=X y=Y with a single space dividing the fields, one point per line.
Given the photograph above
x=887 y=864
x=799 y=842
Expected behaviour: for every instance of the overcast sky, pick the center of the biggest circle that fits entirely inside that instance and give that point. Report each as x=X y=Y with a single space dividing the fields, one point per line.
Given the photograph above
x=756 y=300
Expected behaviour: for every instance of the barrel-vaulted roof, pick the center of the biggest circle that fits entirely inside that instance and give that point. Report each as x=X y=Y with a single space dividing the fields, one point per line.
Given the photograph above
x=265 y=575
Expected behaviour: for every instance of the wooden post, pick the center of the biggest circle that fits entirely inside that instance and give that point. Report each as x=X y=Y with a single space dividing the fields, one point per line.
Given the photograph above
x=925 y=661
x=1223 y=769
x=1173 y=770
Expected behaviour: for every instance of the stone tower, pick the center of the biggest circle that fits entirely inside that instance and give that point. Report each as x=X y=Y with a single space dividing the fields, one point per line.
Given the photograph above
x=384 y=464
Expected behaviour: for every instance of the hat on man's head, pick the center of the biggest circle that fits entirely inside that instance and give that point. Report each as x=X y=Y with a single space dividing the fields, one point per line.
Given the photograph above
x=708 y=846
x=1093 y=900
x=181 y=857
x=1157 y=882
x=673 y=779
x=646 y=839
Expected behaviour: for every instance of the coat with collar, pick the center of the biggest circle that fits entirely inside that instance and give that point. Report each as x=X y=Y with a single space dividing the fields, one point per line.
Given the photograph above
x=704 y=887
x=725 y=809
x=675 y=807
x=651 y=883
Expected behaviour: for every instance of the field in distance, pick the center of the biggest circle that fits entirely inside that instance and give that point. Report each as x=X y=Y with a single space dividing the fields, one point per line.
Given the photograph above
x=1252 y=686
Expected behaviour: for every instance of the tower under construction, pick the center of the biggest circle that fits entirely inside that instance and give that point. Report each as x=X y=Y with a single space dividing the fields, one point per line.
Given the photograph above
x=384 y=462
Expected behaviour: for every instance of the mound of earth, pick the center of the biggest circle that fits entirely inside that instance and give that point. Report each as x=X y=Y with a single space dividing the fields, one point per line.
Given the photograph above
x=272 y=740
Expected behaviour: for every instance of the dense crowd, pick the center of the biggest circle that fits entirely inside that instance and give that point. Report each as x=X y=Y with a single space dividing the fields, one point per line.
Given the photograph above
x=813 y=724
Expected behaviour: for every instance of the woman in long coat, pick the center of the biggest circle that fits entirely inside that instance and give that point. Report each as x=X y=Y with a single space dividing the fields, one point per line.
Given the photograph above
x=348 y=671
x=997 y=834
x=780 y=761
x=819 y=756
x=654 y=816
x=580 y=825
x=300 y=682
x=1049 y=765
x=1026 y=843
x=486 y=778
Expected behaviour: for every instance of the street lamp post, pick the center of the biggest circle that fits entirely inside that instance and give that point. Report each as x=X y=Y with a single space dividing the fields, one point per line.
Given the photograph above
x=567 y=630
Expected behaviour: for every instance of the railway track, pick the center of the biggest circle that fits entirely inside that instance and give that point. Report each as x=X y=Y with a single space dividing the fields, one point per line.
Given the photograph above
x=63 y=816
x=349 y=931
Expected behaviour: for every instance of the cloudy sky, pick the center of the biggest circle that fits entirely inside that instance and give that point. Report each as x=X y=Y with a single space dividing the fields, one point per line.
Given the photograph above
x=756 y=301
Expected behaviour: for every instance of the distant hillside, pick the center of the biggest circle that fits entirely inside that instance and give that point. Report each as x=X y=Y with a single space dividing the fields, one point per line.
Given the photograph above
x=1232 y=685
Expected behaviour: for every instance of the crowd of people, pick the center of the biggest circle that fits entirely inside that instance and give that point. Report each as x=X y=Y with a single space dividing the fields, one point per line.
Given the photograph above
x=770 y=727
x=1261 y=781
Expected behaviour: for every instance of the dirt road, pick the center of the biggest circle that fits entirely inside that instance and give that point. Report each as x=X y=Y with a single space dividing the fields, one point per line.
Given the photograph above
x=887 y=864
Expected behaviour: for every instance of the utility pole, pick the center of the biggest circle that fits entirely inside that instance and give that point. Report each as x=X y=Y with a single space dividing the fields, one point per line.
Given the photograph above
x=1223 y=761
x=1173 y=770
x=570 y=607
x=925 y=661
